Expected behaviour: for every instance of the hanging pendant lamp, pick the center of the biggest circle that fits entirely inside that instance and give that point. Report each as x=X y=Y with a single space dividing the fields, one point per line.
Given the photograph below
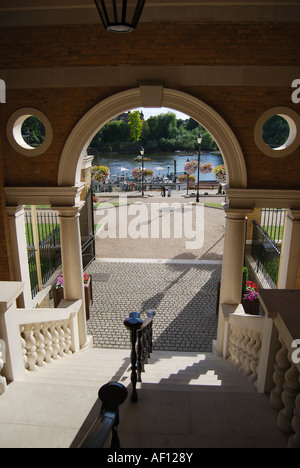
x=120 y=16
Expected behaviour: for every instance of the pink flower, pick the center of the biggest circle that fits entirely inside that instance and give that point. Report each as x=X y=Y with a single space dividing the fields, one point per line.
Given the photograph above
x=60 y=280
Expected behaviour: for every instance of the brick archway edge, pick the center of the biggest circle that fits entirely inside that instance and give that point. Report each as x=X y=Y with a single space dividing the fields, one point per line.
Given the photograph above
x=148 y=96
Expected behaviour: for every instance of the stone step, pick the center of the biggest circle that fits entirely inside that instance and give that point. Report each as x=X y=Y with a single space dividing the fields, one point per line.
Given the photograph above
x=193 y=399
x=168 y=369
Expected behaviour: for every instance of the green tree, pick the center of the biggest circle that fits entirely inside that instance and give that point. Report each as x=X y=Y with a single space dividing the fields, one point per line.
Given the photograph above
x=136 y=126
x=276 y=131
x=34 y=131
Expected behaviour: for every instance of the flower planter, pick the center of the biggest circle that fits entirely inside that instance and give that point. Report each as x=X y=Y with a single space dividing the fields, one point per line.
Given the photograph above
x=251 y=307
x=58 y=295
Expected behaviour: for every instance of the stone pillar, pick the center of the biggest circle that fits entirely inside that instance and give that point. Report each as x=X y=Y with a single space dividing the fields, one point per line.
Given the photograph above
x=19 y=252
x=233 y=262
x=290 y=254
x=72 y=263
x=86 y=175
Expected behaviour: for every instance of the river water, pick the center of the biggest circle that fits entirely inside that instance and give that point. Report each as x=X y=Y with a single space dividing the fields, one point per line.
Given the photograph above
x=157 y=160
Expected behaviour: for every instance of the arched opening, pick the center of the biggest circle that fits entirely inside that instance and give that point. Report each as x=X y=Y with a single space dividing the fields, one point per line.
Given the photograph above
x=75 y=147
x=151 y=96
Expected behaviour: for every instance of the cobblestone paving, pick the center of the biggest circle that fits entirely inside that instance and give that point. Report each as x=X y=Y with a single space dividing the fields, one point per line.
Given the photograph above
x=183 y=295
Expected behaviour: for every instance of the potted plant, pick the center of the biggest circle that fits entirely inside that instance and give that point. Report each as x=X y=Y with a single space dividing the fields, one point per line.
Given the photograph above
x=249 y=300
x=58 y=292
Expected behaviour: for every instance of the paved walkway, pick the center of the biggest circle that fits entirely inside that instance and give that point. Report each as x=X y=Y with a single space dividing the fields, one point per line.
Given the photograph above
x=161 y=274
x=183 y=295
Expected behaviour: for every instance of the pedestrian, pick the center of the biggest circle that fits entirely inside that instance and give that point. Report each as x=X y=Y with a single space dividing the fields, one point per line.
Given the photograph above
x=163 y=191
x=169 y=192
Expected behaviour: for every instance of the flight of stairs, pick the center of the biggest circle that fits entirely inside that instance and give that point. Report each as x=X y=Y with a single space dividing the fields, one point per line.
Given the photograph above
x=185 y=400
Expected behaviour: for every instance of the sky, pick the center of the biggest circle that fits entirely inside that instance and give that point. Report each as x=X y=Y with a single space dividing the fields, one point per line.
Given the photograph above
x=151 y=112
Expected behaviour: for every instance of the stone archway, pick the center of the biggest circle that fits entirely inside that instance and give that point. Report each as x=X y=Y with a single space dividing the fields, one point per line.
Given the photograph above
x=157 y=96
x=150 y=96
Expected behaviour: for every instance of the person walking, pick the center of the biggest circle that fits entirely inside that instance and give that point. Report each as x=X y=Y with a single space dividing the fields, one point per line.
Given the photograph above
x=163 y=191
x=169 y=192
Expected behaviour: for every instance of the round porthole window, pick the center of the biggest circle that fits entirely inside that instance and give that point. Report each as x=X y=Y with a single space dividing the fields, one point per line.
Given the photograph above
x=29 y=132
x=277 y=132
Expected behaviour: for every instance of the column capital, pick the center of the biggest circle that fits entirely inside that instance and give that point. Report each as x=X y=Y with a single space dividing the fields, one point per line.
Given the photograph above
x=54 y=196
x=238 y=214
x=294 y=215
x=15 y=211
x=69 y=211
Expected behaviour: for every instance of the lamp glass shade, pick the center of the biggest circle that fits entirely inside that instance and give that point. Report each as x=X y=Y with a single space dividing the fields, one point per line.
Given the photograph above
x=120 y=16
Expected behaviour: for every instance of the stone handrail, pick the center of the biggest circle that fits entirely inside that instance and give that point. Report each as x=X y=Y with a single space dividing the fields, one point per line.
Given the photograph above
x=33 y=337
x=285 y=394
x=265 y=349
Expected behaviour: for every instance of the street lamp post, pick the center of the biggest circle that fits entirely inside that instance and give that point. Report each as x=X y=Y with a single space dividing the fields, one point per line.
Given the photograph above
x=199 y=140
x=142 y=151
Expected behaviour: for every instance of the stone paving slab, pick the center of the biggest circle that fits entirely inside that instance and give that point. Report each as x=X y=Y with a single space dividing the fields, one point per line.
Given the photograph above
x=184 y=296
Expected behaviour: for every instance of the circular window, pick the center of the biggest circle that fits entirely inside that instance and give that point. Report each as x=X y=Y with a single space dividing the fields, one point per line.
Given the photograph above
x=29 y=132
x=277 y=132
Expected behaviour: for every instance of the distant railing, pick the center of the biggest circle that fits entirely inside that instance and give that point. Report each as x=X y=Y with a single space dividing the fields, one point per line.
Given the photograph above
x=266 y=255
x=112 y=396
x=47 y=247
x=141 y=336
x=272 y=223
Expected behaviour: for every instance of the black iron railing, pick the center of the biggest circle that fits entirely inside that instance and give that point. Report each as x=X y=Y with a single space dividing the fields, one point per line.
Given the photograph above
x=141 y=337
x=48 y=229
x=112 y=395
x=266 y=255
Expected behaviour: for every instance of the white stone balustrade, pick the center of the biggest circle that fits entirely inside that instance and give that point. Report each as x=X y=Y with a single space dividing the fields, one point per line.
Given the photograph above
x=245 y=343
x=34 y=337
x=282 y=306
x=45 y=341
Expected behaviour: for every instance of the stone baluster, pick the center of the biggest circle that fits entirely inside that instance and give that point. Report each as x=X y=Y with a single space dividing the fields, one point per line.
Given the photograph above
x=55 y=340
x=291 y=388
x=281 y=366
x=30 y=346
x=47 y=341
x=255 y=355
x=232 y=345
x=61 y=339
x=243 y=344
x=40 y=344
x=68 y=341
x=248 y=353
x=23 y=344
x=294 y=440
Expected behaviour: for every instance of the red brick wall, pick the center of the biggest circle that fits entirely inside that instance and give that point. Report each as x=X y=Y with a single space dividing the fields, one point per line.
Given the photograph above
x=6 y=264
x=239 y=106
x=152 y=44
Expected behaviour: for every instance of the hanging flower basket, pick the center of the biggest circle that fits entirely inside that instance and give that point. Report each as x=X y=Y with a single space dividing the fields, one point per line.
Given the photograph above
x=191 y=167
x=100 y=173
x=183 y=178
x=58 y=292
x=137 y=173
x=206 y=168
x=220 y=173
